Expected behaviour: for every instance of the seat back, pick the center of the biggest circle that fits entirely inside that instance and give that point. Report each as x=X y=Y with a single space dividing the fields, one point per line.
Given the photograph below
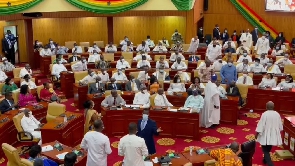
x=127 y=55
x=25 y=162
x=79 y=75
x=243 y=90
x=289 y=69
x=100 y=44
x=84 y=44
x=185 y=47
x=15 y=95
x=135 y=74
x=152 y=99
x=157 y=57
x=210 y=162
x=109 y=56
x=16 y=72
x=39 y=88
x=17 y=122
x=54 y=110
x=53 y=57
x=70 y=44
x=246 y=158
x=11 y=154
x=249 y=146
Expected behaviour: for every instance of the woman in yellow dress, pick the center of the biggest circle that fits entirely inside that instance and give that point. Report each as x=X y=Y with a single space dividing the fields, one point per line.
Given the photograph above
x=90 y=115
x=154 y=84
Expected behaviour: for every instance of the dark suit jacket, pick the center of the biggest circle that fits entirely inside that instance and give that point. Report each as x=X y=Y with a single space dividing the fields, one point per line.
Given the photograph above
x=200 y=34
x=225 y=37
x=93 y=90
x=235 y=92
x=255 y=35
x=216 y=34
x=128 y=86
x=110 y=86
x=5 y=45
x=148 y=134
x=190 y=59
x=72 y=58
x=4 y=106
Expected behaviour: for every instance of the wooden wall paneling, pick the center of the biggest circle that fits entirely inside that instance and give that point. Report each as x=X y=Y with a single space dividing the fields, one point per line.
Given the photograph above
x=2 y=24
x=198 y=10
x=191 y=26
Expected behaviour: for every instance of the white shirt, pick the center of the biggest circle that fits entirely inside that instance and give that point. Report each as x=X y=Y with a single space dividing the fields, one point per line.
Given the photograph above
x=241 y=58
x=184 y=76
x=104 y=77
x=193 y=88
x=193 y=45
x=221 y=91
x=284 y=84
x=77 y=49
x=88 y=79
x=256 y=69
x=165 y=43
x=273 y=69
x=57 y=68
x=262 y=46
x=160 y=49
x=161 y=100
x=269 y=128
x=24 y=72
x=268 y=83
x=284 y=61
x=241 y=67
x=94 y=58
x=79 y=66
x=120 y=77
x=122 y=64
x=44 y=52
x=31 y=84
x=98 y=147
x=213 y=52
x=165 y=65
x=134 y=85
x=232 y=44
x=139 y=57
x=110 y=49
x=158 y=75
x=90 y=49
x=249 y=80
x=142 y=63
x=264 y=61
x=143 y=48
x=248 y=38
x=142 y=99
x=29 y=124
x=276 y=53
x=126 y=48
x=133 y=148
x=3 y=76
x=239 y=50
x=124 y=42
x=217 y=65
x=173 y=57
x=179 y=66
x=143 y=76
x=177 y=87
x=150 y=43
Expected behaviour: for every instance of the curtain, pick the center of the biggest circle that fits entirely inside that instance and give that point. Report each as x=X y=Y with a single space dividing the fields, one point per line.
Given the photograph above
x=183 y=4
x=16 y=6
x=107 y=6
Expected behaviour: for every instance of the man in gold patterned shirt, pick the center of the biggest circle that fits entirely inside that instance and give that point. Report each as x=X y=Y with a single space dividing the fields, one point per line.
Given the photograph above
x=227 y=156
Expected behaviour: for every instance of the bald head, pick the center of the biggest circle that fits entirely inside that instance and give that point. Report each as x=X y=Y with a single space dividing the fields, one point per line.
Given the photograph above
x=270 y=105
x=234 y=146
x=98 y=125
x=114 y=93
x=160 y=91
x=132 y=128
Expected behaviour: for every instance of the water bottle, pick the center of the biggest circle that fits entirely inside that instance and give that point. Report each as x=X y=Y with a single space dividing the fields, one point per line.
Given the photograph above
x=65 y=119
x=191 y=150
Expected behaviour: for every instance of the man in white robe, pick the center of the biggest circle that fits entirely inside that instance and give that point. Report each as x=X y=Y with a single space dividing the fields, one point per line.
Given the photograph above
x=77 y=49
x=210 y=115
x=161 y=99
x=31 y=125
x=143 y=47
x=93 y=57
x=217 y=65
x=58 y=68
x=110 y=48
x=160 y=48
x=284 y=61
x=179 y=65
x=97 y=145
x=268 y=131
x=80 y=65
x=262 y=45
x=45 y=51
x=149 y=42
x=143 y=75
x=162 y=63
x=122 y=64
x=213 y=51
x=142 y=98
x=194 y=45
x=246 y=39
x=272 y=68
x=90 y=78
x=26 y=70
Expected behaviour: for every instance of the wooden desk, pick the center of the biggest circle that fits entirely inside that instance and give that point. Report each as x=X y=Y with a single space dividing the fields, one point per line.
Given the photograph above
x=257 y=78
x=174 y=124
x=229 y=111
x=196 y=159
x=66 y=80
x=289 y=128
x=81 y=161
x=80 y=95
x=71 y=133
x=175 y=161
x=283 y=100
x=89 y=66
x=8 y=132
x=9 y=74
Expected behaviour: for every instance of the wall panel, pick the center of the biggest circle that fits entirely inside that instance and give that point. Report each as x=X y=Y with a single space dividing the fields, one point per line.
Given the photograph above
x=137 y=28
x=86 y=29
x=2 y=24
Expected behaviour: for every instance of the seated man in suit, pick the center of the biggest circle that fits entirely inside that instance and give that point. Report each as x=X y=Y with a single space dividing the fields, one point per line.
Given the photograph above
x=96 y=87
x=31 y=125
x=90 y=78
x=133 y=84
x=74 y=58
x=113 y=85
x=233 y=90
x=7 y=104
x=113 y=100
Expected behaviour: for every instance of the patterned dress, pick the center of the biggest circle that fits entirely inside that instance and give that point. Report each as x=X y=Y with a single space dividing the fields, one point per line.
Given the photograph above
x=225 y=157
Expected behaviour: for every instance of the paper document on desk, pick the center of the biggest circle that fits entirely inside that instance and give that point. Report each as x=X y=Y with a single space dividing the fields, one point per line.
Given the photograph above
x=47 y=148
x=155 y=160
x=277 y=88
x=148 y=163
x=173 y=110
x=62 y=155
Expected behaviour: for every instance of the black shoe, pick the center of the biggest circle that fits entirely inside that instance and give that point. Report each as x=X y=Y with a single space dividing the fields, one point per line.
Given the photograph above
x=212 y=126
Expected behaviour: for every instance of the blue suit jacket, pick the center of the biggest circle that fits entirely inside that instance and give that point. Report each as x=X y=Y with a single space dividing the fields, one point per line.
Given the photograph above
x=148 y=134
x=190 y=59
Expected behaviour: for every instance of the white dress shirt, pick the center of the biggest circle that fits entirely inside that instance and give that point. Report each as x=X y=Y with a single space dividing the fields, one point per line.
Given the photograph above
x=179 y=66
x=104 y=77
x=264 y=61
x=160 y=49
x=57 y=69
x=285 y=84
x=110 y=49
x=31 y=84
x=3 y=76
x=124 y=42
x=88 y=79
x=133 y=148
x=184 y=76
x=122 y=64
x=94 y=58
x=77 y=49
x=173 y=57
x=256 y=69
x=248 y=38
x=98 y=148
x=143 y=76
x=177 y=87
x=46 y=52
x=262 y=46
x=284 y=61
x=267 y=83
x=213 y=52
x=24 y=72
x=145 y=48
x=232 y=44
x=142 y=63
x=273 y=69
x=165 y=64
x=248 y=81
x=142 y=99
x=241 y=67
x=90 y=49
x=217 y=65
x=120 y=77
x=242 y=57
x=150 y=43
x=79 y=66
x=193 y=45
x=160 y=76
x=276 y=53
x=161 y=100
x=139 y=57
x=126 y=48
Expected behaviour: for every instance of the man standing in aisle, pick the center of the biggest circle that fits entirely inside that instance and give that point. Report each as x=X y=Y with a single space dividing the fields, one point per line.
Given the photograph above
x=97 y=145
x=132 y=147
x=210 y=115
x=8 y=49
x=147 y=128
x=268 y=131
x=262 y=45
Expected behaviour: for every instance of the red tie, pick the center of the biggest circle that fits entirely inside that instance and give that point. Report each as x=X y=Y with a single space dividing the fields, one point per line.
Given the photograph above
x=114 y=101
x=245 y=78
x=194 y=59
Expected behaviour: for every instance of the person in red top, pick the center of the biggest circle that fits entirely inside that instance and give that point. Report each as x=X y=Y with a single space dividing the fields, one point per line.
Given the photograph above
x=46 y=92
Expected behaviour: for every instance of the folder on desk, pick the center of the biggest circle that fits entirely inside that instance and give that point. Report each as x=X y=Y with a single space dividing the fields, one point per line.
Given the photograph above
x=61 y=156
x=47 y=148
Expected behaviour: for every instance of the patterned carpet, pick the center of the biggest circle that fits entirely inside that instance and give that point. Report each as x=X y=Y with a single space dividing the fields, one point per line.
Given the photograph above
x=221 y=135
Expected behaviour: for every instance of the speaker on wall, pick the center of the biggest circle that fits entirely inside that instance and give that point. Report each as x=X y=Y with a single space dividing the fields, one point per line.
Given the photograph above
x=206 y=4
x=35 y=15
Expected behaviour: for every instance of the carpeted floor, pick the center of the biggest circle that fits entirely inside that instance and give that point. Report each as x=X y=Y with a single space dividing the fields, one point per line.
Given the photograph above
x=223 y=134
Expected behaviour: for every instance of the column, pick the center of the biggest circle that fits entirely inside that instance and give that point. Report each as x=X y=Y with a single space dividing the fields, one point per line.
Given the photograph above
x=33 y=60
x=110 y=25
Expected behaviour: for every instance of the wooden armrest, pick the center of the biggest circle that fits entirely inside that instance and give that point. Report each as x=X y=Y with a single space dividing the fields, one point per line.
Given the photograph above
x=26 y=133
